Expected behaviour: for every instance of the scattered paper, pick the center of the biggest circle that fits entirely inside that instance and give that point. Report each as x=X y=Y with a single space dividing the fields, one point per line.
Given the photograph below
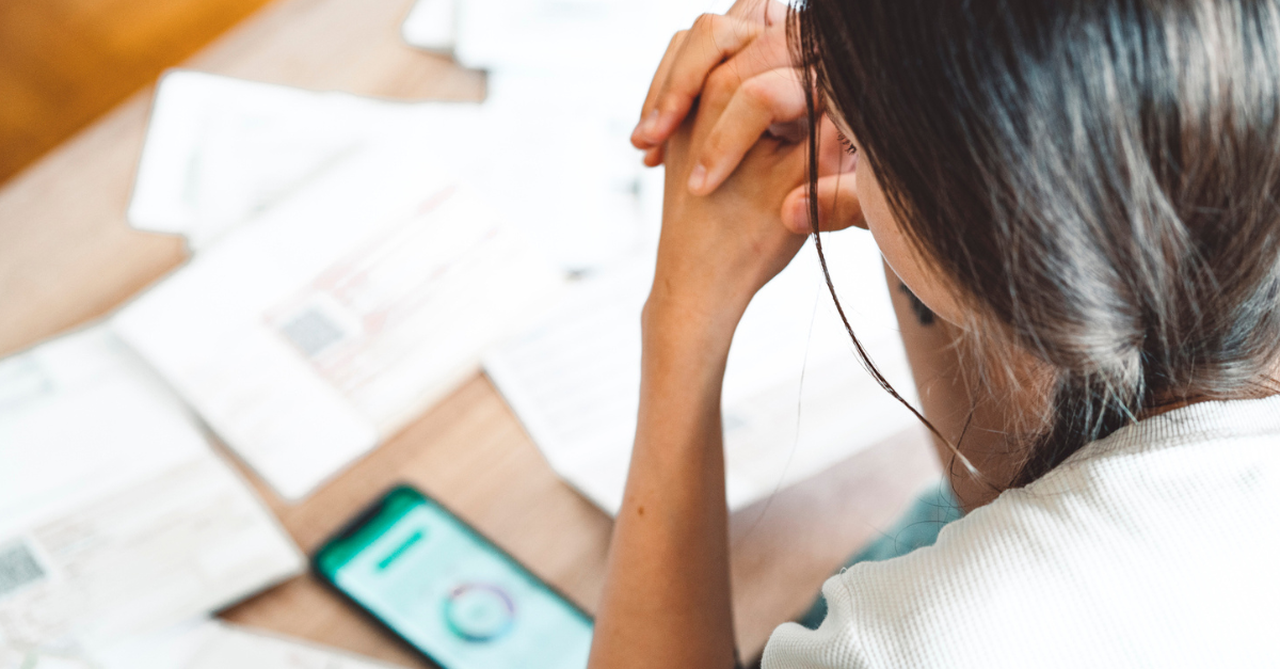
x=569 y=35
x=568 y=173
x=550 y=154
x=567 y=81
x=116 y=517
x=795 y=398
x=220 y=151
x=309 y=336
x=214 y=644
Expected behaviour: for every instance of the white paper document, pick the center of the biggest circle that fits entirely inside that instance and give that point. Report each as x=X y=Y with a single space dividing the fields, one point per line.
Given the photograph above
x=431 y=25
x=311 y=335
x=116 y=517
x=550 y=153
x=567 y=35
x=220 y=150
x=568 y=173
x=214 y=644
x=795 y=402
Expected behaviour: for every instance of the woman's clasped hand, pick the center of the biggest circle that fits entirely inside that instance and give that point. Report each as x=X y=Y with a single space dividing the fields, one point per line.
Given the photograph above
x=726 y=112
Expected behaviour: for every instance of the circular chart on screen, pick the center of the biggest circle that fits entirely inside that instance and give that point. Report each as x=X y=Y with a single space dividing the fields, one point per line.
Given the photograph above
x=479 y=612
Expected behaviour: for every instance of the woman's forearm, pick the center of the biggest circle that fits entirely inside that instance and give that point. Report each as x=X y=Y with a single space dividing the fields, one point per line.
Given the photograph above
x=666 y=601
x=666 y=597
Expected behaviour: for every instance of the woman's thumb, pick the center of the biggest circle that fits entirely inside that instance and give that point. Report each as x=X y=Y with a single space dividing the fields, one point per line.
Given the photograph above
x=838 y=206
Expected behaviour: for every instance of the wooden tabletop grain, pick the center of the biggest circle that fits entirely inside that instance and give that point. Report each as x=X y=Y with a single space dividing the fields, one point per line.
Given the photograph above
x=68 y=257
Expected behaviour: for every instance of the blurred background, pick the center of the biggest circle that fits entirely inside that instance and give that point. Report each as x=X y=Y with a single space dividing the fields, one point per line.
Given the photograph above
x=262 y=260
x=65 y=62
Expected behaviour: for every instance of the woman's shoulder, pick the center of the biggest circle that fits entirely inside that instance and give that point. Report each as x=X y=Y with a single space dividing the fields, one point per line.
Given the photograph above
x=1190 y=431
x=1153 y=547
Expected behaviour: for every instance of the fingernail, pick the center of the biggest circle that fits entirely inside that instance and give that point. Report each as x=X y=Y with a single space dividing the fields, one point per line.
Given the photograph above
x=649 y=124
x=697 y=178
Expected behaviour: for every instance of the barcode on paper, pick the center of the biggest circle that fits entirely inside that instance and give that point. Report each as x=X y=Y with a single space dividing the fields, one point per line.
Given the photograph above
x=18 y=567
x=312 y=332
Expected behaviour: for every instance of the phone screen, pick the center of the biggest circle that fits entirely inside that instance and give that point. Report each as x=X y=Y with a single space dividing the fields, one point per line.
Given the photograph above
x=450 y=592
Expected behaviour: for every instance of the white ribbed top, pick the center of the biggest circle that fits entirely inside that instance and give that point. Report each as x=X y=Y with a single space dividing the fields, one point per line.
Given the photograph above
x=1158 y=546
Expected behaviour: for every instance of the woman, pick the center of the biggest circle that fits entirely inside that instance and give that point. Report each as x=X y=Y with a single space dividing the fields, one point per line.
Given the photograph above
x=1086 y=193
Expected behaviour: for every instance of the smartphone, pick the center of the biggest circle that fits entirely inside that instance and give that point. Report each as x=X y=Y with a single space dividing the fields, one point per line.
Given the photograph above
x=449 y=592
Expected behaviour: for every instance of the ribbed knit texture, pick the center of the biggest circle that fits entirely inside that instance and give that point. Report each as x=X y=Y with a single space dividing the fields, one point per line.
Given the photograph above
x=1158 y=546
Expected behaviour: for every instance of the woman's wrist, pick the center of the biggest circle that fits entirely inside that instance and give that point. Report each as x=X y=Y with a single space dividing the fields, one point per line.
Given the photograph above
x=694 y=326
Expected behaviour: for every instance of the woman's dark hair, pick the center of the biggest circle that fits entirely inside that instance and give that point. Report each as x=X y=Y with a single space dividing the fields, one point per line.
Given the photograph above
x=1099 y=178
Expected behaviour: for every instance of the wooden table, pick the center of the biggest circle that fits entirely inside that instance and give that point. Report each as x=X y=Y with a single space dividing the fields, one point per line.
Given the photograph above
x=67 y=257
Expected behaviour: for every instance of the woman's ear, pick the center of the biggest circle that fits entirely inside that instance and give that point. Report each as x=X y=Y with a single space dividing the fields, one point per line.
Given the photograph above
x=838 y=206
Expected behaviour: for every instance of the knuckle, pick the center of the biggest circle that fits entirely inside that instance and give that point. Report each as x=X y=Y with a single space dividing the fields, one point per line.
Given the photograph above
x=722 y=82
x=717 y=98
x=680 y=92
x=706 y=23
x=777 y=35
x=760 y=92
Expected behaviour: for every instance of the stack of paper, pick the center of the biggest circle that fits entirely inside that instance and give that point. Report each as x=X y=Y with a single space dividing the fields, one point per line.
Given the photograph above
x=116 y=518
x=795 y=398
x=307 y=337
x=310 y=194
